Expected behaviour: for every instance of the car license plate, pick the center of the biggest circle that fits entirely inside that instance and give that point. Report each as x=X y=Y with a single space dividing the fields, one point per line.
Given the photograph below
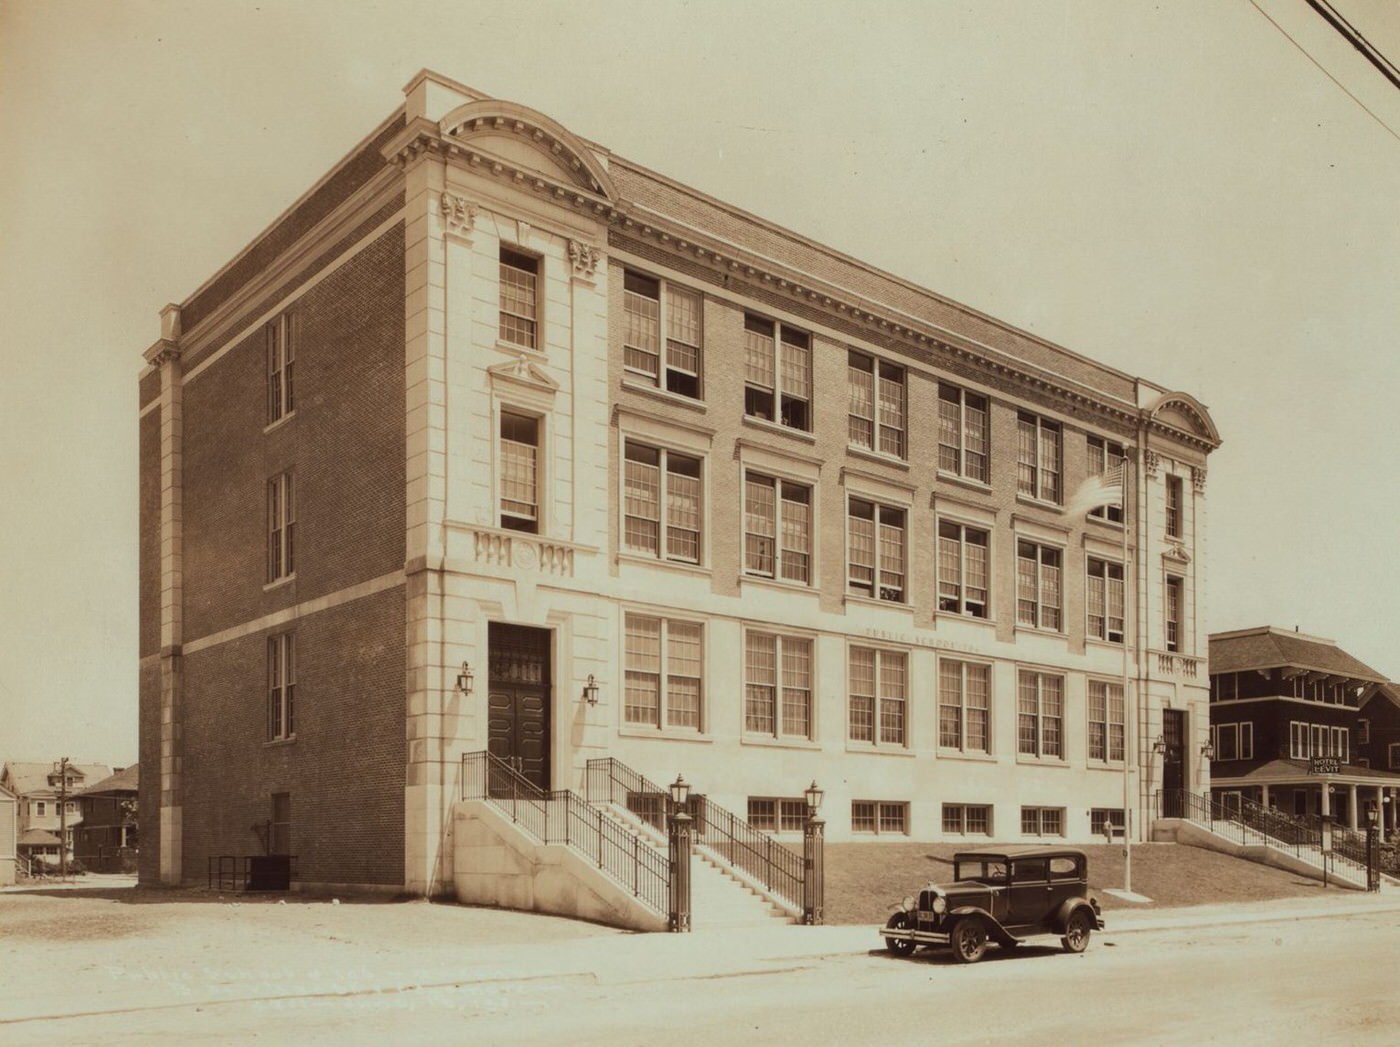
x=927 y=916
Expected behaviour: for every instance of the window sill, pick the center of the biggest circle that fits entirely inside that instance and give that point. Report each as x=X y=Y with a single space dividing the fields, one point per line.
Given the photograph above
x=1106 y=645
x=642 y=560
x=516 y=350
x=773 y=742
x=1105 y=765
x=669 y=734
x=278 y=743
x=963 y=481
x=969 y=757
x=289 y=416
x=869 y=749
x=1115 y=526
x=665 y=395
x=284 y=580
x=1036 y=630
x=1039 y=503
x=871 y=601
x=778 y=428
x=1041 y=761
x=779 y=585
x=870 y=455
x=970 y=619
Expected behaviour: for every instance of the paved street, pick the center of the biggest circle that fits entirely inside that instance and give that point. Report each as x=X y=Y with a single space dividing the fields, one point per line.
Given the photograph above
x=314 y=973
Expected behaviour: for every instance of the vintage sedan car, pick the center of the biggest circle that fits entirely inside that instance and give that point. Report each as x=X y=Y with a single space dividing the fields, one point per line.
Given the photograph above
x=1002 y=897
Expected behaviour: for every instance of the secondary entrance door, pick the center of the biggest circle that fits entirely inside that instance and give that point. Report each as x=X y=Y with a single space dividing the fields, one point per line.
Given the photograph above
x=517 y=716
x=1173 y=762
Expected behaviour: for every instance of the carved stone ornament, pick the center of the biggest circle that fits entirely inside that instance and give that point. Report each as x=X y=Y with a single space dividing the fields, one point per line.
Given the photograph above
x=1151 y=461
x=524 y=555
x=585 y=258
x=459 y=214
x=1198 y=478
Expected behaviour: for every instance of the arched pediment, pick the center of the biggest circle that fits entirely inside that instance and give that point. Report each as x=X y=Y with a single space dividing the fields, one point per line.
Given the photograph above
x=1184 y=412
x=528 y=139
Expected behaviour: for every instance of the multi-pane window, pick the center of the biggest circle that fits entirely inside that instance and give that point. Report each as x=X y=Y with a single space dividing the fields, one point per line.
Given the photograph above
x=875 y=557
x=520 y=454
x=281 y=686
x=777 y=373
x=876 y=413
x=777 y=528
x=280 y=340
x=651 y=306
x=1104 y=600
x=1042 y=821
x=962 y=569
x=662 y=507
x=1174 y=493
x=962 y=433
x=1363 y=731
x=1038 y=458
x=1176 y=603
x=964 y=690
x=777 y=813
x=879 y=694
x=281 y=527
x=778 y=685
x=1105 y=721
x=967 y=819
x=663 y=672
x=1233 y=741
x=1038 y=585
x=520 y=305
x=40 y=807
x=1393 y=756
x=1040 y=714
x=1308 y=740
x=879 y=816
x=1103 y=454
x=1101 y=819
x=279 y=826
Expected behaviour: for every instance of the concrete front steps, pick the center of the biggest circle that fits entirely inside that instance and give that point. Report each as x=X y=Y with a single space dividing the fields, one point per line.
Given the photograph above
x=1255 y=846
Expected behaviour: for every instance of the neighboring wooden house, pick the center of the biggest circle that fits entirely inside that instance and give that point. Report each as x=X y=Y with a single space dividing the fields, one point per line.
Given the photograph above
x=1378 y=730
x=105 y=840
x=9 y=835
x=48 y=800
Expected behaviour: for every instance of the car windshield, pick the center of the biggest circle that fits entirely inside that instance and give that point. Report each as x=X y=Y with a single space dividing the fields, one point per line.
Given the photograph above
x=982 y=870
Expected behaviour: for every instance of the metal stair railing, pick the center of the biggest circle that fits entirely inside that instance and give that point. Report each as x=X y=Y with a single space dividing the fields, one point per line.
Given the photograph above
x=561 y=816
x=1246 y=822
x=760 y=857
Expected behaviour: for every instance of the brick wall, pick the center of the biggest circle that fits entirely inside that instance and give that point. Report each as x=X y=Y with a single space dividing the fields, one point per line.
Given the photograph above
x=345 y=767
x=148 y=755
x=148 y=545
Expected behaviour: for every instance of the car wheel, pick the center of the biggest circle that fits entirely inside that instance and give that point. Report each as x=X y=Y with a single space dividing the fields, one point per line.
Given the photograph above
x=968 y=940
x=899 y=946
x=1077 y=930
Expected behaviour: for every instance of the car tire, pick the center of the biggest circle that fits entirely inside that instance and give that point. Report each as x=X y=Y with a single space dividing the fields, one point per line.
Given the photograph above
x=1077 y=930
x=968 y=940
x=899 y=946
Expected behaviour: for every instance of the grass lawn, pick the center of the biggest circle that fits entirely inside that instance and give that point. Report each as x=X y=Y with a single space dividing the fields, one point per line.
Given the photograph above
x=865 y=880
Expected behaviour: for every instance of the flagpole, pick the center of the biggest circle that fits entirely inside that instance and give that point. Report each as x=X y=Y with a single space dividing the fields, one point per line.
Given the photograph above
x=1129 y=737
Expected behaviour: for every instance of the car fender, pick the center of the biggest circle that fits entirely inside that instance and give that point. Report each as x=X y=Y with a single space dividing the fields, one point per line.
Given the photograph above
x=995 y=931
x=1068 y=908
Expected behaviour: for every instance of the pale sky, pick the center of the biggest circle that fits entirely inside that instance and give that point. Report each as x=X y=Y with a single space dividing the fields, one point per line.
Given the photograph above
x=1173 y=188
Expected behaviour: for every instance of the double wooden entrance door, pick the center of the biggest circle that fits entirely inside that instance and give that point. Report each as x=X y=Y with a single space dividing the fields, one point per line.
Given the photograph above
x=517 y=700
x=1173 y=762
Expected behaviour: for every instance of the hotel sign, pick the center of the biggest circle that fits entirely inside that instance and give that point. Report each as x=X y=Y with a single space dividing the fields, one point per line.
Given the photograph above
x=1324 y=765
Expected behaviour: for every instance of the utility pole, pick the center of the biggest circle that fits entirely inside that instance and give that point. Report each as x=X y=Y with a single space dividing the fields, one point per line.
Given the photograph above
x=62 y=768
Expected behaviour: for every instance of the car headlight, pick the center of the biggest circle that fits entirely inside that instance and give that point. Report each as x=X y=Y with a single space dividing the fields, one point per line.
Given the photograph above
x=940 y=904
x=909 y=903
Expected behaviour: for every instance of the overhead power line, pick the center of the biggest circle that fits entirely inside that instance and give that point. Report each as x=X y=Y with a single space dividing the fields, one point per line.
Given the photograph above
x=1351 y=35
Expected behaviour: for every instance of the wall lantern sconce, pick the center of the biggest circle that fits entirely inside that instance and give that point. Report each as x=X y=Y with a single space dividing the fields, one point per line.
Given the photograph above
x=590 y=690
x=1160 y=746
x=465 y=679
x=813 y=794
x=1207 y=751
x=680 y=792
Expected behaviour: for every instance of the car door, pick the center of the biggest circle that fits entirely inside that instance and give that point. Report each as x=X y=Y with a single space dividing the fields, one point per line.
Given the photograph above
x=1029 y=891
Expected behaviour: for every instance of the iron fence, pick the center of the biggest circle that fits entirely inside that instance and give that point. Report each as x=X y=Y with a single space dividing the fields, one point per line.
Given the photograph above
x=561 y=816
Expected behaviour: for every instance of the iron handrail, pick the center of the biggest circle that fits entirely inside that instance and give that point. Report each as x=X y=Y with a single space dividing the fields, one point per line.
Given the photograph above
x=561 y=816
x=752 y=851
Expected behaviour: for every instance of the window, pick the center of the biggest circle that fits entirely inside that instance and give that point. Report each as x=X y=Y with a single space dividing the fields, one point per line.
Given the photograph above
x=778 y=685
x=40 y=808
x=69 y=807
x=1224 y=687
x=279 y=826
x=1393 y=754
x=662 y=510
x=651 y=306
x=281 y=527
x=1102 y=818
x=1105 y=721
x=1104 y=600
x=777 y=373
x=876 y=417
x=879 y=816
x=777 y=814
x=663 y=669
x=1173 y=521
x=1341 y=744
x=1040 y=705
x=966 y=819
x=520 y=446
x=1038 y=458
x=875 y=557
x=777 y=528
x=1234 y=741
x=962 y=569
x=1176 y=589
x=1298 y=741
x=1363 y=731
x=1042 y=821
x=519 y=299
x=879 y=694
x=1102 y=454
x=281 y=686
x=962 y=433
x=280 y=339
x=1037 y=586
x=964 y=690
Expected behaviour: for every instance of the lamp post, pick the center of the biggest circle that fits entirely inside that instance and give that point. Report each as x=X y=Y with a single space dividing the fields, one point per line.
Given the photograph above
x=1325 y=843
x=678 y=833
x=61 y=766
x=813 y=870
x=1373 y=849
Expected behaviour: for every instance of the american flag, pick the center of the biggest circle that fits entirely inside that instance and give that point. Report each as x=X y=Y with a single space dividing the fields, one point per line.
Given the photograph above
x=1105 y=488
